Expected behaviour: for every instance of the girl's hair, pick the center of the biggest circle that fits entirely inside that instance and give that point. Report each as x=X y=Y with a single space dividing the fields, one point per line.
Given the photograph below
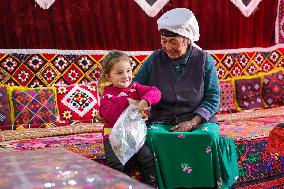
x=111 y=58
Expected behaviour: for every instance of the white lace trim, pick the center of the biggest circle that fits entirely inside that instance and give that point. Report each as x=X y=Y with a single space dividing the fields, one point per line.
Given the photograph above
x=45 y=4
x=246 y=10
x=130 y=53
x=153 y=10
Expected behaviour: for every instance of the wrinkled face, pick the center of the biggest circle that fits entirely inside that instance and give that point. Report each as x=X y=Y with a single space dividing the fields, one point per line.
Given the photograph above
x=120 y=74
x=174 y=46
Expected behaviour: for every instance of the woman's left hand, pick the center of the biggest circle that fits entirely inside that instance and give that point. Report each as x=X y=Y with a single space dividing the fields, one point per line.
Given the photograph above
x=185 y=126
x=188 y=126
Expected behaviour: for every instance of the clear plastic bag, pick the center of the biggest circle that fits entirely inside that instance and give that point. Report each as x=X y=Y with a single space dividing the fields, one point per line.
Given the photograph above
x=128 y=134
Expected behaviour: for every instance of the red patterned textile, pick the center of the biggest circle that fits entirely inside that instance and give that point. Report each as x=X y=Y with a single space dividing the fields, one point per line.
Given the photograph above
x=77 y=102
x=54 y=141
x=61 y=169
x=271 y=184
x=276 y=141
x=33 y=106
x=273 y=89
x=232 y=65
x=122 y=24
x=91 y=150
x=249 y=115
x=248 y=93
x=249 y=128
x=227 y=97
x=5 y=118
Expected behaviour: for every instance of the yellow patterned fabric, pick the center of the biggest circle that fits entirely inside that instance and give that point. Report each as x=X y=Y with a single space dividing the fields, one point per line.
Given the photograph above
x=251 y=114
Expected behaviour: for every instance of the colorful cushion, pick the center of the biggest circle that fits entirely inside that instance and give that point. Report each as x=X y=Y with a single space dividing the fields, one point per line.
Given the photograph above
x=227 y=96
x=77 y=102
x=5 y=118
x=248 y=93
x=32 y=105
x=273 y=89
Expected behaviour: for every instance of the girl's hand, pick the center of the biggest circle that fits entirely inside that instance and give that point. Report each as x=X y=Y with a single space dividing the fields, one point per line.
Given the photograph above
x=142 y=106
x=131 y=101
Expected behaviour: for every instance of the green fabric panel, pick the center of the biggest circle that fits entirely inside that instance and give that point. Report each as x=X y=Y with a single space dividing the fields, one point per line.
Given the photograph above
x=192 y=159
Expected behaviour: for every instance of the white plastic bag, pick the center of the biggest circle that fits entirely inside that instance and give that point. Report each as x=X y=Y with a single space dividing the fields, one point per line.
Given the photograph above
x=128 y=134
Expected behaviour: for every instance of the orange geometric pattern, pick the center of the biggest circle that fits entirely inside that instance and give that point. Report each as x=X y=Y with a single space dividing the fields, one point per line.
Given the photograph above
x=35 y=70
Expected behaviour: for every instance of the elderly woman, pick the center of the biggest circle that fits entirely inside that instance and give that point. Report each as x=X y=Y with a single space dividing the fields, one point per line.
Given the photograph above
x=183 y=131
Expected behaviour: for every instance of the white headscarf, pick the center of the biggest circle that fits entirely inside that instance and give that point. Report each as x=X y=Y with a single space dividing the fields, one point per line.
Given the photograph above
x=181 y=21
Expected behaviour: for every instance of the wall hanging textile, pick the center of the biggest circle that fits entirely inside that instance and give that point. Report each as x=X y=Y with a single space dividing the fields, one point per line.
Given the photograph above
x=73 y=24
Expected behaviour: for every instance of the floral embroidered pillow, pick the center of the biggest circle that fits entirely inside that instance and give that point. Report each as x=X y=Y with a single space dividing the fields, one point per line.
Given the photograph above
x=78 y=102
x=227 y=97
x=273 y=89
x=32 y=106
x=5 y=118
x=248 y=93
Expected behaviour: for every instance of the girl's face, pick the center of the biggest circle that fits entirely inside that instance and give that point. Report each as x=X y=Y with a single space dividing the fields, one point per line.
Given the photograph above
x=174 y=46
x=120 y=74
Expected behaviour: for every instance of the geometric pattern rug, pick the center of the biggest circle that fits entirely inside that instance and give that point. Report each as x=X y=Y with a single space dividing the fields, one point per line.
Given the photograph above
x=51 y=142
x=35 y=70
x=249 y=128
x=277 y=183
x=254 y=162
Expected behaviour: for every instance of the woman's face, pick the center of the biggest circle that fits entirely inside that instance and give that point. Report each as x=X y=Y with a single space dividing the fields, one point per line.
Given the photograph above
x=174 y=46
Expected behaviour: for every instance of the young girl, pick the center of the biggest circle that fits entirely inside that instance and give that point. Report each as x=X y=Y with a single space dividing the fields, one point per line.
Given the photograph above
x=115 y=99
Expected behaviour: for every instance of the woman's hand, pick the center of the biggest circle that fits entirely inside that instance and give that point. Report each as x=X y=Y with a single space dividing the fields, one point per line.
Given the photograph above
x=142 y=106
x=188 y=126
x=185 y=126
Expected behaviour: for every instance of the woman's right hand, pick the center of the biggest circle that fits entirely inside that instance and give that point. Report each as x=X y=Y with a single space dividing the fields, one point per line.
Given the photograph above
x=131 y=101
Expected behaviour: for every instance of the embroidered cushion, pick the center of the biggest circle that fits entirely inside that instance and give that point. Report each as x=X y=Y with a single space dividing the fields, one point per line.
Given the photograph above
x=273 y=89
x=77 y=102
x=32 y=105
x=248 y=93
x=5 y=118
x=227 y=96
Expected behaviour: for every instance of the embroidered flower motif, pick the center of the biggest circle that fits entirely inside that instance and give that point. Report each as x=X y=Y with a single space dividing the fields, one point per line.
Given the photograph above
x=73 y=75
x=92 y=88
x=259 y=58
x=221 y=72
x=132 y=90
x=67 y=114
x=205 y=129
x=180 y=136
x=208 y=149
x=122 y=94
x=153 y=127
x=61 y=90
x=219 y=183
x=185 y=167
x=236 y=178
x=94 y=112
x=109 y=96
x=23 y=76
